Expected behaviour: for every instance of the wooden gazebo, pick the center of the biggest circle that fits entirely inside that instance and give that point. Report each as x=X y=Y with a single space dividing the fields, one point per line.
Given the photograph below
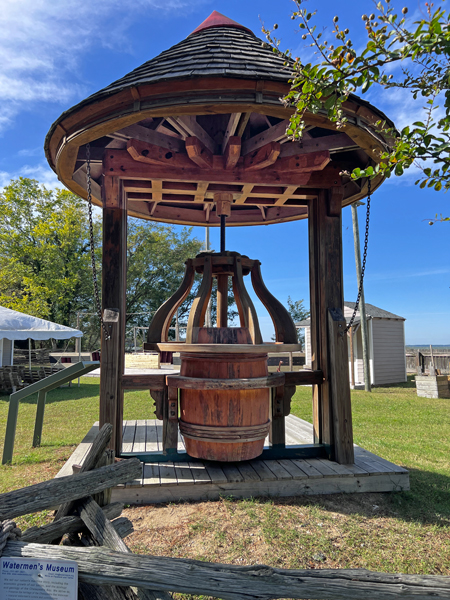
x=203 y=123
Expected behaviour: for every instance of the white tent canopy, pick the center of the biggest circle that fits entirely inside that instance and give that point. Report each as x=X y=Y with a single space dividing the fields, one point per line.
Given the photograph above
x=19 y=326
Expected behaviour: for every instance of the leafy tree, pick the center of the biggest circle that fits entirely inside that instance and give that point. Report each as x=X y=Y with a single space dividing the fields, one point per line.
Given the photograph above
x=298 y=313
x=46 y=266
x=421 y=50
x=44 y=252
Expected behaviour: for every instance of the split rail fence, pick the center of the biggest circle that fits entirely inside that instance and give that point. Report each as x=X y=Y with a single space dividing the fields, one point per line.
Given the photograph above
x=108 y=570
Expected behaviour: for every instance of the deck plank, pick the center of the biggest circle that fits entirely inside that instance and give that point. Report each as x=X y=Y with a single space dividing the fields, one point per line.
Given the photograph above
x=183 y=473
x=263 y=471
x=292 y=468
x=151 y=443
x=199 y=472
x=232 y=473
x=215 y=472
x=167 y=474
x=248 y=472
x=128 y=436
x=277 y=469
x=151 y=474
x=307 y=468
x=322 y=467
x=139 y=438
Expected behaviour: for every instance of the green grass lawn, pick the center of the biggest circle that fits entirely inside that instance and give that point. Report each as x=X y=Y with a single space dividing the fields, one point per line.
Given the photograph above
x=397 y=532
x=69 y=414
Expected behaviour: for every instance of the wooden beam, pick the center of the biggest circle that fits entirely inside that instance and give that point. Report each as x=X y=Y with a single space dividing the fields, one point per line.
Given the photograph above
x=114 y=277
x=243 y=124
x=300 y=163
x=189 y=123
x=230 y=131
x=155 y=155
x=202 y=186
x=119 y=163
x=340 y=388
x=262 y=158
x=273 y=134
x=326 y=290
x=143 y=134
x=232 y=152
x=199 y=153
x=178 y=126
x=332 y=143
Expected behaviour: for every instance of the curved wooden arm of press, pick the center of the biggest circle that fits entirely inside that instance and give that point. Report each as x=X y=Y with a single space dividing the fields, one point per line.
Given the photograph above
x=200 y=304
x=285 y=330
x=158 y=330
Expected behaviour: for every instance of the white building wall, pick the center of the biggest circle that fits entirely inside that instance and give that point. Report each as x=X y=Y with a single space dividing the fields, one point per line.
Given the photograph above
x=308 y=347
x=388 y=351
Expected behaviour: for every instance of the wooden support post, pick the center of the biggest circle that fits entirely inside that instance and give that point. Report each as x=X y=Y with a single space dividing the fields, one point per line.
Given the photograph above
x=114 y=280
x=109 y=375
x=339 y=388
x=326 y=292
x=277 y=432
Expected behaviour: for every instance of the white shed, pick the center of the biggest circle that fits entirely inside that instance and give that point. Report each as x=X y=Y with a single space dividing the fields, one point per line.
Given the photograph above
x=387 y=356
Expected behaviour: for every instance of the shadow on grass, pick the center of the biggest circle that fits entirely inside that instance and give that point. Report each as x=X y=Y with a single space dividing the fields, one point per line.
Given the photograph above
x=411 y=383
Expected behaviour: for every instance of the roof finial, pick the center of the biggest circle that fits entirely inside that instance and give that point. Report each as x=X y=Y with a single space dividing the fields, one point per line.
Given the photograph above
x=217 y=19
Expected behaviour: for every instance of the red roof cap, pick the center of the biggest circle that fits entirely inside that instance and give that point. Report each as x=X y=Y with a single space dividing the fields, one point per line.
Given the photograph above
x=216 y=19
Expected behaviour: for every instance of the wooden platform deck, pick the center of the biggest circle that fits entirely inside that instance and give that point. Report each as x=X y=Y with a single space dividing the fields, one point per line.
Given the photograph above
x=183 y=481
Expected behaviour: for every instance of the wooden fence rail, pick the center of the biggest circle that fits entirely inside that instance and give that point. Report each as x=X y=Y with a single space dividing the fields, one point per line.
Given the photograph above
x=101 y=566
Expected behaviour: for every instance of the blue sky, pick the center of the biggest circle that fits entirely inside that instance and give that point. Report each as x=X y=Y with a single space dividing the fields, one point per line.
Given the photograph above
x=54 y=54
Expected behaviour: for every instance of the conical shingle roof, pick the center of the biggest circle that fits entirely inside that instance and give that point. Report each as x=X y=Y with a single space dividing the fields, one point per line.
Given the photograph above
x=219 y=47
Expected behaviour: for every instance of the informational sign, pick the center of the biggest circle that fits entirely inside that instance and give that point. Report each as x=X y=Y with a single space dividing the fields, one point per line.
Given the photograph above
x=36 y=579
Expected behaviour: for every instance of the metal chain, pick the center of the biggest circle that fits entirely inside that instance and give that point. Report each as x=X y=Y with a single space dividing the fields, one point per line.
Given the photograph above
x=363 y=268
x=91 y=234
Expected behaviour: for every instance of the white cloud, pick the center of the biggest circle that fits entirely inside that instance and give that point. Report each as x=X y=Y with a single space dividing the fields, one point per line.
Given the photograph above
x=41 y=172
x=42 y=42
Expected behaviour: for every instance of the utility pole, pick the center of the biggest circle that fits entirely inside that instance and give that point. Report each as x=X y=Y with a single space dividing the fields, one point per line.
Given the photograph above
x=208 y=320
x=362 y=303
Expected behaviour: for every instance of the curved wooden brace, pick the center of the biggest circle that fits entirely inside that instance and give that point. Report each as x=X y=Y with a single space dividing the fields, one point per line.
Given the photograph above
x=247 y=312
x=200 y=304
x=285 y=330
x=158 y=330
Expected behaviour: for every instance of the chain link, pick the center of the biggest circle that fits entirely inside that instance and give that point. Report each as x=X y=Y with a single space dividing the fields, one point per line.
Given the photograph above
x=91 y=234
x=363 y=268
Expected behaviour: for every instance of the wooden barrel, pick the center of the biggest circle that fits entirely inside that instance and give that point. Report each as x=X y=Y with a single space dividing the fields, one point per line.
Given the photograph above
x=224 y=425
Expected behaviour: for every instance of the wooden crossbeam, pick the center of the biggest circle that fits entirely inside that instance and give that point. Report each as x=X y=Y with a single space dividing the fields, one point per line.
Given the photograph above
x=155 y=155
x=300 y=163
x=333 y=143
x=273 y=134
x=166 y=130
x=262 y=158
x=243 y=124
x=232 y=152
x=202 y=186
x=199 y=153
x=230 y=131
x=246 y=190
x=119 y=163
x=190 y=125
x=143 y=134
